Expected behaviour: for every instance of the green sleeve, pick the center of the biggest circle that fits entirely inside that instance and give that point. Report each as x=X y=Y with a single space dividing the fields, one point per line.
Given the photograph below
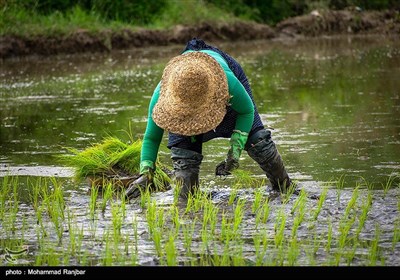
x=153 y=134
x=241 y=103
x=240 y=100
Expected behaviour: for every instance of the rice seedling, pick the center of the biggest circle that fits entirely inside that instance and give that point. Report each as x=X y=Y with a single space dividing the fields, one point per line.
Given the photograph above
x=4 y=193
x=75 y=237
x=170 y=251
x=396 y=234
x=190 y=204
x=279 y=259
x=344 y=229
x=262 y=214
x=329 y=236
x=288 y=193
x=156 y=235
x=204 y=233
x=205 y=241
x=161 y=219
x=151 y=215
x=107 y=195
x=316 y=243
x=35 y=197
x=321 y=201
x=9 y=205
x=279 y=228
x=196 y=201
x=94 y=193
x=351 y=252
x=374 y=247
x=258 y=196
x=58 y=196
x=226 y=231
x=261 y=246
x=238 y=216
x=112 y=160
x=210 y=213
x=351 y=204
x=53 y=200
x=176 y=191
x=135 y=252
x=233 y=194
x=145 y=197
x=389 y=183
x=188 y=231
x=237 y=258
x=366 y=206
x=47 y=254
x=108 y=252
x=34 y=193
x=116 y=219
x=71 y=233
x=293 y=252
x=83 y=260
x=244 y=178
x=155 y=222
x=175 y=218
x=298 y=219
x=13 y=208
x=339 y=187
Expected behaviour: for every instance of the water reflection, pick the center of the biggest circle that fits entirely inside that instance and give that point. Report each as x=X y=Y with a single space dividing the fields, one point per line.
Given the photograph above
x=333 y=104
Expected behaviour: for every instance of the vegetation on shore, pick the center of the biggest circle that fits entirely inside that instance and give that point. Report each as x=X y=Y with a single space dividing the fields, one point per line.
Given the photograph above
x=45 y=17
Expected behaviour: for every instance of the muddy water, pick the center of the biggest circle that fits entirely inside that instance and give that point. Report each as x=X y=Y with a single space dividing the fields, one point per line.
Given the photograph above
x=333 y=106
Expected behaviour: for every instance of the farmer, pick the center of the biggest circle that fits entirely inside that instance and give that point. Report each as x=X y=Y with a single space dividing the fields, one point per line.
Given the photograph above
x=204 y=94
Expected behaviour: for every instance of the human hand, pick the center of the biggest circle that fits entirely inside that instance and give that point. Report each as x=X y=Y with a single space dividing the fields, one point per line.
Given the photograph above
x=237 y=141
x=227 y=166
x=145 y=181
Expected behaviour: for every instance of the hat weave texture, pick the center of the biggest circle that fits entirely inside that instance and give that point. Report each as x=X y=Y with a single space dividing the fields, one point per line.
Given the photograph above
x=193 y=95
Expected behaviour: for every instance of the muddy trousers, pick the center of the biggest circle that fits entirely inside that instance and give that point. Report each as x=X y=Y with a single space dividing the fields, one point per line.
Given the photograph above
x=186 y=164
x=262 y=149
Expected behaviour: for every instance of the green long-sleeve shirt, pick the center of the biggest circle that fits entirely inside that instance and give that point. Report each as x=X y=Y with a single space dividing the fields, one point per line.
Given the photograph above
x=240 y=102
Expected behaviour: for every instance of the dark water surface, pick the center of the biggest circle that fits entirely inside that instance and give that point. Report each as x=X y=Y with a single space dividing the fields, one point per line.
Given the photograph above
x=333 y=105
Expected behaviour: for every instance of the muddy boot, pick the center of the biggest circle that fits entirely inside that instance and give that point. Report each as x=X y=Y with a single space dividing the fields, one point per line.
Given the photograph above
x=186 y=165
x=262 y=149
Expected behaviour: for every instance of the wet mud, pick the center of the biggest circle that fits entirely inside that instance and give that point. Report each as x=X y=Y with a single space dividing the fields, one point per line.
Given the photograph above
x=314 y=234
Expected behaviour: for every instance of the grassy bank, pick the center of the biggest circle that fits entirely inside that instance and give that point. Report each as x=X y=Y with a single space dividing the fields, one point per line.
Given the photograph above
x=45 y=17
x=16 y=20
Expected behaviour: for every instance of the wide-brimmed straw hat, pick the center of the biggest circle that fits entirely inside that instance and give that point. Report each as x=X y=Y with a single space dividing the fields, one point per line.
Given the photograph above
x=193 y=95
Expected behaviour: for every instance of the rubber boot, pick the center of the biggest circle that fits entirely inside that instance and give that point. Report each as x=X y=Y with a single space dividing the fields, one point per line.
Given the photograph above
x=262 y=149
x=186 y=165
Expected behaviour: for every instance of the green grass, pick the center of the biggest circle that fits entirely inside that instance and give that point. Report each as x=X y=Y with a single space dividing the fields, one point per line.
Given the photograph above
x=22 y=22
x=19 y=21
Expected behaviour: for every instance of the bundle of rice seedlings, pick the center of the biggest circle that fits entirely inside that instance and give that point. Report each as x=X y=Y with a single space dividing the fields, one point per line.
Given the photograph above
x=112 y=160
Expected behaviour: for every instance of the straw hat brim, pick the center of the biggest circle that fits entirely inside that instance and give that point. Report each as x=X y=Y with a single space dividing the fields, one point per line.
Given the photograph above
x=206 y=109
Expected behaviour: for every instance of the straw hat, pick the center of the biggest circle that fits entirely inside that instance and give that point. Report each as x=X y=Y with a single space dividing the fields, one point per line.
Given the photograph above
x=193 y=96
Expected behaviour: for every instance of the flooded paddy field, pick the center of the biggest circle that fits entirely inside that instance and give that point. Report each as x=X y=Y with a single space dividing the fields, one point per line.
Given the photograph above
x=333 y=108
